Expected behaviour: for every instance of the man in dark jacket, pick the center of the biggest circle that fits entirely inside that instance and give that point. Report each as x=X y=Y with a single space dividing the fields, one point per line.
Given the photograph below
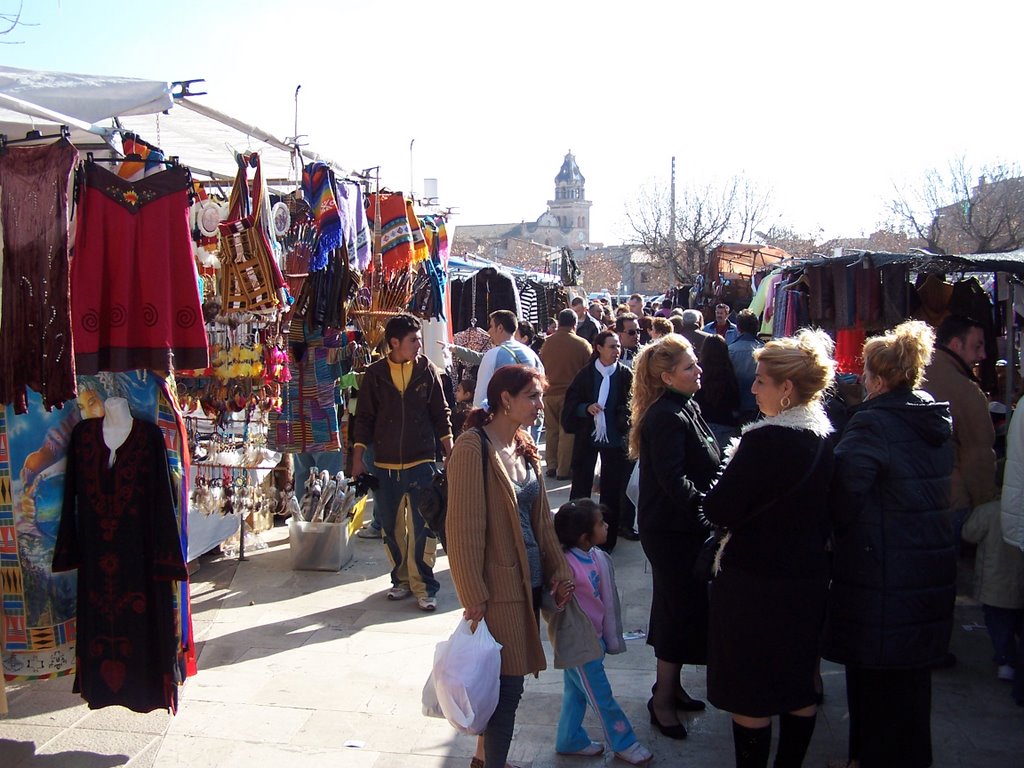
x=402 y=413
x=564 y=354
x=586 y=327
x=692 y=319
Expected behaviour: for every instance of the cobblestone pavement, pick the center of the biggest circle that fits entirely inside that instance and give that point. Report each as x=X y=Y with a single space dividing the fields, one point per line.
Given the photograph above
x=311 y=669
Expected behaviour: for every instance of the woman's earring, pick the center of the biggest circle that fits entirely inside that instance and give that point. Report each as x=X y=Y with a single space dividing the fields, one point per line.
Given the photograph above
x=786 y=402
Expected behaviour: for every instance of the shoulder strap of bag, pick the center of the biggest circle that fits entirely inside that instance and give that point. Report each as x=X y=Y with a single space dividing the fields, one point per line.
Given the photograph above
x=515 y=353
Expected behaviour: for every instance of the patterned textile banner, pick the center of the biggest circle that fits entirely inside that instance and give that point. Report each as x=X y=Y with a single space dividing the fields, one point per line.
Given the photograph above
x=37 y=606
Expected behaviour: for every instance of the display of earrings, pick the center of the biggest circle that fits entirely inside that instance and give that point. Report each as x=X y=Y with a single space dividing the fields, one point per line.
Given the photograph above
x=248 y=365
x=229 y=491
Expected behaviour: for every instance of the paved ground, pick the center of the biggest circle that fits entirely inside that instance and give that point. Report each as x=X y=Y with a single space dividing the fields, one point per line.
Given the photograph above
x=315 y=669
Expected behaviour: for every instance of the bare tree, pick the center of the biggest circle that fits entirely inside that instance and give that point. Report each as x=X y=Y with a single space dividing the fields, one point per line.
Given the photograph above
x=753 y=209
x=966 y=210
x=704 y=216
x=8 y=21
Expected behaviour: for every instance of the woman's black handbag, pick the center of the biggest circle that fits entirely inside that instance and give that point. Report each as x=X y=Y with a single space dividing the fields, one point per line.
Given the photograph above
x=704 y=564
x=433 y=501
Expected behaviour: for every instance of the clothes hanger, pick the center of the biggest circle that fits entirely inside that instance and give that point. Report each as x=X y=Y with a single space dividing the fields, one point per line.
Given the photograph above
x=171 y=162
x=35 y=135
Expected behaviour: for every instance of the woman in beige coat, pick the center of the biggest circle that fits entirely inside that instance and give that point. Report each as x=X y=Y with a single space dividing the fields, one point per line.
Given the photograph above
x=502 y=547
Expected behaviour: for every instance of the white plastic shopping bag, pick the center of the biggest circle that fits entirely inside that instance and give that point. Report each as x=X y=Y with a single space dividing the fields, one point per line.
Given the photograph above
x=466 y=670
x=633 y=486
x=431 y=706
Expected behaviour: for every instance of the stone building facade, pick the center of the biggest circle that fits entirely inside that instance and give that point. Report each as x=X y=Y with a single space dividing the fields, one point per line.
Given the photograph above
x=566 y=222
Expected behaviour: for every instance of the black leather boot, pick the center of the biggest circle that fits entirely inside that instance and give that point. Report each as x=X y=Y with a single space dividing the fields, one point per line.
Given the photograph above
x=794 y=738
x=752 y=745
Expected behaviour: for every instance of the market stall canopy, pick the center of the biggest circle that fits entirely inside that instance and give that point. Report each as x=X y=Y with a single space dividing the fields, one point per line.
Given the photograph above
x=742 y=259
x=921 y=261
x=99 y=108
x=36 y=99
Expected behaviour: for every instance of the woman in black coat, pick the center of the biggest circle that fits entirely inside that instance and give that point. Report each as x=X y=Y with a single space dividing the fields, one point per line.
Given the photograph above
x=890 y=611
x=598 y=416
x=678 y=459
x=768 y=596
x=719 y=395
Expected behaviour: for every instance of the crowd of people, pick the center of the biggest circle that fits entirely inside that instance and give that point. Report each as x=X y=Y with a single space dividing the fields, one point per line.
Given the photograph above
x=827 y=537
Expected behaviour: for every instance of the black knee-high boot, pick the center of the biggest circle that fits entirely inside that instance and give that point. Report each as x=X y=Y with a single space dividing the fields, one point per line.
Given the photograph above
x=752 y=745
x=794 y=737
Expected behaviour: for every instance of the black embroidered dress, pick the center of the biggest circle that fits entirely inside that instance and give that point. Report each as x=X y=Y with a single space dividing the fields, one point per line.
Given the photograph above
x=118 y=529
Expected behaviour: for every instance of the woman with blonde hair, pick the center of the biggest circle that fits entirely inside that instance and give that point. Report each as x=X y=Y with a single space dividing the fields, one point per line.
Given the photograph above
x=678 y=459
x=768 y=596
x=890 y=608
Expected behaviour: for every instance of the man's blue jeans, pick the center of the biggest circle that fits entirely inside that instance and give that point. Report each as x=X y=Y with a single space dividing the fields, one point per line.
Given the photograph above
x=411 y=546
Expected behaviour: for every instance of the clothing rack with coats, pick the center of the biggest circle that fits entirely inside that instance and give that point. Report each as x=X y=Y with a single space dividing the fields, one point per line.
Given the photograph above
x=862 y=293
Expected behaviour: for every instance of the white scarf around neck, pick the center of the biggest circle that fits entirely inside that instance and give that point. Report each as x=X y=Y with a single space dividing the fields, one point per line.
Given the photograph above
x=600 y=422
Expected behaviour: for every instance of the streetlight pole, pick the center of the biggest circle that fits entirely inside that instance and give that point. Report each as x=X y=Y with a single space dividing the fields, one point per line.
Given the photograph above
x=672 y=213
x=412 y=184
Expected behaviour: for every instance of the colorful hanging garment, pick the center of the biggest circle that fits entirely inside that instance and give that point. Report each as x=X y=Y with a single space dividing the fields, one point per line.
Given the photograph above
x=134 y=288
x=389 y=216
x=356 y=233
x=35 y=317
x=419 y=241
x=152 y=158
x=849 y=349
x=308 y=420
x=318 y=187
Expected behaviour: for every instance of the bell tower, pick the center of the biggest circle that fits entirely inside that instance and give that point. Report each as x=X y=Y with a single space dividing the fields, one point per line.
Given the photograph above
x=570 y=206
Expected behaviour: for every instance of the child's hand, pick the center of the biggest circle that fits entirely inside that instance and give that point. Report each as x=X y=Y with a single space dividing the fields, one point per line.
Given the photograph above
x=562 y=592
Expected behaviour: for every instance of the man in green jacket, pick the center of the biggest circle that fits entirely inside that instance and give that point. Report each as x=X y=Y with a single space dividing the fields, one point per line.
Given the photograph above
x=402 y=412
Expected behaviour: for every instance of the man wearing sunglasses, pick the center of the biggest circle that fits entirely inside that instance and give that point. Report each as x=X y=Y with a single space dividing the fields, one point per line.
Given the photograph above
x=628 y=331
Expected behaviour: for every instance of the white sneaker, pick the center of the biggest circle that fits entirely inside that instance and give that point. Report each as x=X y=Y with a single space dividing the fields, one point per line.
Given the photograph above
x=593 y=749
x=399 y=593
x=635 y=754
x=1005 y=672
x=427 y=603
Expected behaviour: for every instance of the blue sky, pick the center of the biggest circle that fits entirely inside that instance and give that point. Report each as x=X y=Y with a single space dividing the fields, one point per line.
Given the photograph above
x=828 y=104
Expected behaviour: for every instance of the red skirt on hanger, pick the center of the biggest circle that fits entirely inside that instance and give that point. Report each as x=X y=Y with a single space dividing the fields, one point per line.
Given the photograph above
x=134 y=291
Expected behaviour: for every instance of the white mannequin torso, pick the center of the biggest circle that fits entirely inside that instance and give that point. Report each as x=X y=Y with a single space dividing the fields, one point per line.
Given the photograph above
x=117 y=424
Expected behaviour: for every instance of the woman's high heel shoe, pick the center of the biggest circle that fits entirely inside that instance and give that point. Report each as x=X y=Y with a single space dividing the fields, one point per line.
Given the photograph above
x=677 y=731
x=685 y=702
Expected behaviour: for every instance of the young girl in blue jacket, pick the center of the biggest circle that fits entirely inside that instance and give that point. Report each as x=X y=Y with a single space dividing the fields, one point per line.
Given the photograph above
x=588 y=628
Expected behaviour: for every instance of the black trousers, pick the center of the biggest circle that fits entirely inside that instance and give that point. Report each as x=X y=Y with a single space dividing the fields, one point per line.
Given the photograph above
x=890 y=717
x=613 y=479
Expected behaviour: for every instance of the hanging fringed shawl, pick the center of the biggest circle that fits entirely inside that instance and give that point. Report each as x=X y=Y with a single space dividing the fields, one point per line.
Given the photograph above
x=429 y=285
x=389 y=215
x=250 y=277
x=318 y=187
x=355 y=230
x=419 y=242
